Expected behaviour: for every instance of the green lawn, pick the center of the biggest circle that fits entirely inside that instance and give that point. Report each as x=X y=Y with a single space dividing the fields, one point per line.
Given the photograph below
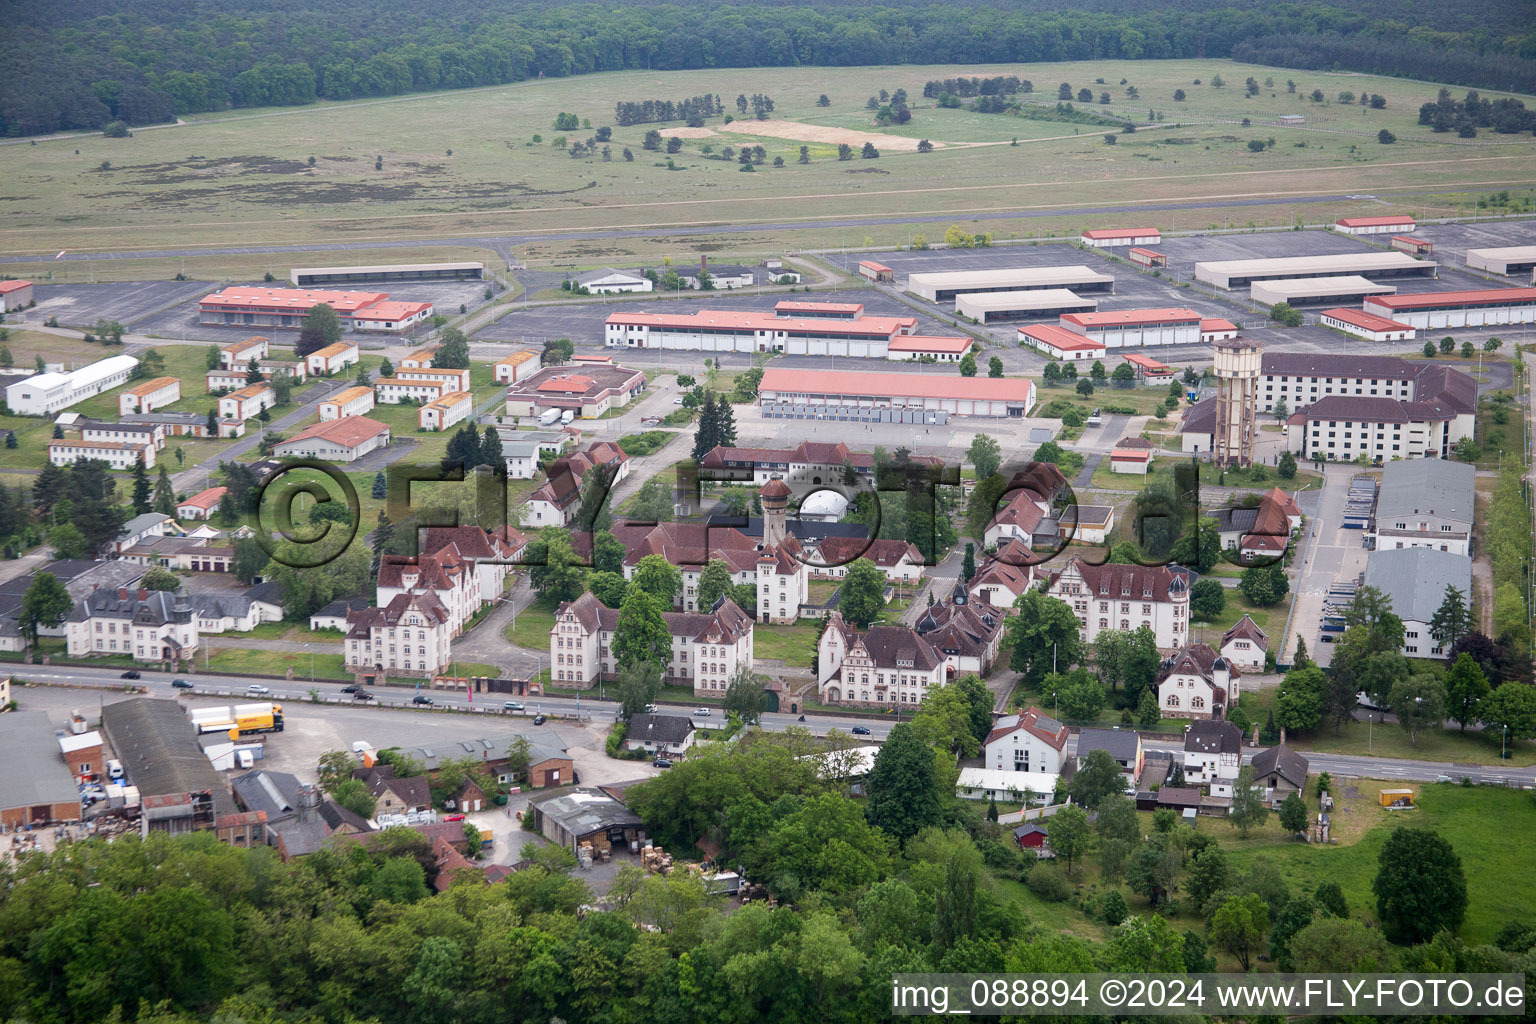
x=1479 y=822
x=1271 y=619
x=792 y=644
x=1260 y=478
x=532 y=626
x=323 y=666
x=1391 y=740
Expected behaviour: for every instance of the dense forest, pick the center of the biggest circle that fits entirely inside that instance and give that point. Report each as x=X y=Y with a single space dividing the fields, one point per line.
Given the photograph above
x=178 y=930
x=79 y=65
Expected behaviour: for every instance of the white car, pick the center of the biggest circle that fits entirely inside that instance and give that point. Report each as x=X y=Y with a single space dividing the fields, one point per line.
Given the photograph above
x=677 y=401
x=256 y=690
x=701 y=713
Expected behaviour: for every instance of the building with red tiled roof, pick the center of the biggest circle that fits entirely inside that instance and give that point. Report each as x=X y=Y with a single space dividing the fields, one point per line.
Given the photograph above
x=900 y=560
x=1123 y=597
x=1374 y=225
x=1105 y=238
x=1436 y=310
x=752 y=331
x=1005 y=575
x=1030 y=741
x=1245 y=644
x=966 y=635
x=345 y=440
x=557 y=501
x=376 y=637
x=955 y=395
x=202 y=504
x=1367 y=325
x=288 y=307
x=587 y=392
x=1060 y=343
x=1134 y=328
x=1197 y=682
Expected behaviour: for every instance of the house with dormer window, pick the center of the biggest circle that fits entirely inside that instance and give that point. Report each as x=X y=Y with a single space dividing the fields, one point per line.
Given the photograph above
x=1124 y=597
x=886 y=665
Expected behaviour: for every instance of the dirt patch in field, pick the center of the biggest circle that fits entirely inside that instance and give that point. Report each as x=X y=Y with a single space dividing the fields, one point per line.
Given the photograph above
x=797 y=131
x=689 y=133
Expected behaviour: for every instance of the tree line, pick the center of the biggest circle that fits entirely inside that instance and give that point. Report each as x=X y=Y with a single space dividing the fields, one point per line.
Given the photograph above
x=1465 y=116
x=1001 y=85
x=1459 y=58
x=694 y=108
x=71 y=67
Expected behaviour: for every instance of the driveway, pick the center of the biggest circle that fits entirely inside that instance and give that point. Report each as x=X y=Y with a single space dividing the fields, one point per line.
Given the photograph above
x=1329 y=553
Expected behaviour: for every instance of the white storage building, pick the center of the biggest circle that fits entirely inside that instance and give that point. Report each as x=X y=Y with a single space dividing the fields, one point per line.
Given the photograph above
x=1304 y=291
x=946 y=285
x=1237 y=273
x=989 y=307
x=48 y=393
x=956 y=395
x=1366 y=325
x=1508 y=260
x=1059 y=343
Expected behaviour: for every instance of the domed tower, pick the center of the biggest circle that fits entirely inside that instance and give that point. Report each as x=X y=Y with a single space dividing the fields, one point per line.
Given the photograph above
x=1238 y=363
x=775 y=500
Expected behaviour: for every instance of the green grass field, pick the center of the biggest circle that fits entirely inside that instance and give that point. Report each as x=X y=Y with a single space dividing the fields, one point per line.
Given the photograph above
x=246 y=180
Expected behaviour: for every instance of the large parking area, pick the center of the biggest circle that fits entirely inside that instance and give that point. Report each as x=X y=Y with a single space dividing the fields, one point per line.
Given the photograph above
x=181 y=321
x=127 y=302
x=1453 y=240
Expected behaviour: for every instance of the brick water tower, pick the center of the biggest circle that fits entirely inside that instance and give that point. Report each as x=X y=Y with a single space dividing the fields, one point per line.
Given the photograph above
x=1238 y=362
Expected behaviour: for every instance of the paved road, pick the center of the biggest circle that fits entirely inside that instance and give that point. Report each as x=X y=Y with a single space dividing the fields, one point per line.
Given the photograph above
x=503 y=243
x=600 y=711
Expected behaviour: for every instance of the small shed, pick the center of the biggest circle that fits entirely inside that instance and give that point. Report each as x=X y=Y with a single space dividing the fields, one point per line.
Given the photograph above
x=1031 y=836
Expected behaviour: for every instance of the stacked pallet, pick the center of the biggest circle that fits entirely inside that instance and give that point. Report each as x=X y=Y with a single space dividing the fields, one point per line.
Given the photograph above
x=655 y=860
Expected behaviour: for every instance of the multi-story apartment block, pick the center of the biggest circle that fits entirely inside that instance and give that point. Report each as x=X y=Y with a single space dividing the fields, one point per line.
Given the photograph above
x=1124 y=597
x=883 y=666
x=707 y=647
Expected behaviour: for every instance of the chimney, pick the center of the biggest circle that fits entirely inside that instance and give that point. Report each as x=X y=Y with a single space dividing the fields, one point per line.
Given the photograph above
x=122 y=593
x=143 y=594
x=703 y=263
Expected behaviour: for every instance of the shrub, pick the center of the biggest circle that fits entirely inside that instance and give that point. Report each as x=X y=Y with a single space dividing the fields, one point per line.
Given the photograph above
x=1047 y=882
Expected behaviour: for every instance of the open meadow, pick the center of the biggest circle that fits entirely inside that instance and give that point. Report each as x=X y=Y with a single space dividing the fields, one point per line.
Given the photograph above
x=460 y=170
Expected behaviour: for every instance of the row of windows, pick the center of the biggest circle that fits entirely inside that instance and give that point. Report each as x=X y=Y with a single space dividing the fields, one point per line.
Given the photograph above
x=1195 y=703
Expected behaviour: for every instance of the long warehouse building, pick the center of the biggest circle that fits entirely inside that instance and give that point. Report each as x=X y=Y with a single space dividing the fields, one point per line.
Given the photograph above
x=856 y=389
x=1311 y=291
x=306 y=277
x=946 y=285
x=714 y=330
x=1508 y=260
x=1133 y=328
x=990 y=307
x=1240 y=273
x=287 y=308
x=1434 y=310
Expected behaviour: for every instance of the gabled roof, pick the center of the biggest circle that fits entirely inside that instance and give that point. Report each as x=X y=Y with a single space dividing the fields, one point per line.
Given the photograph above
x=887 y=552
x=659 y=728
x=1121 y=744
x=1036 y=723
x=1282 y=761
x=348 y=432
x=1123 y=580
x=1246 y=629
x=961 y=630
x=1212 y=737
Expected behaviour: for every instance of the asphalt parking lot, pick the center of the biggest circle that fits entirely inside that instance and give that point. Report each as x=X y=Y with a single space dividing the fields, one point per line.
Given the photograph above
x=1453 y=240
x=128 y=302
x=181 y=321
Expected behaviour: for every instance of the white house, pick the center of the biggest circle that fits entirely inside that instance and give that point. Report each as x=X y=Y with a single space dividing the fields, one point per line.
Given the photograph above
x=1213 y=753
x=345 y=440
x=900 y=560
x=201 y=505
x=1425 y=503
x=148 y=625
x=523 y=448
x=149 y=396
x=669 y=736
x=133 y=433
x=1029 y=741
x=612 y=282
x=1006 y=786
x=1415 y=580
x=332 y=358
x=139 y=529
x=394 y=390
x=442 y=413
x=353 y=401
x=707 y=647
x=236 y=355
x=1244 y=645
x=408 y=637
x=516 y=367
x=121 y=455
x=1124 y=597
x=1197 y=682
x=450 y=378
x=246 y=403
x=884 y=666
